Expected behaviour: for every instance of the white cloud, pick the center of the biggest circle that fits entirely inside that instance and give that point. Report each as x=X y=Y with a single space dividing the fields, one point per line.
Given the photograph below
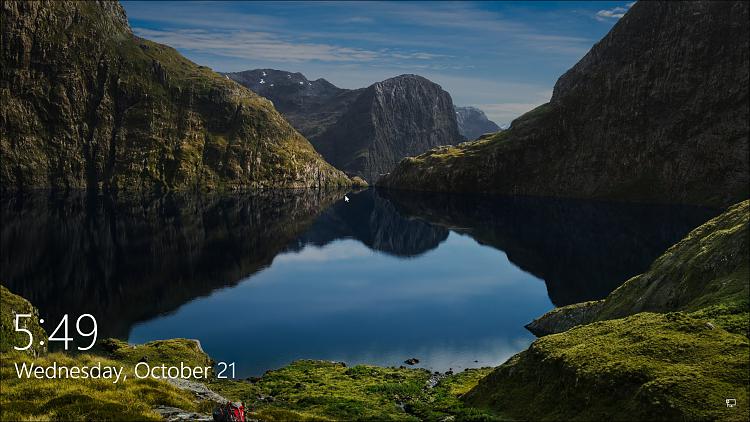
x=613 y=13
x=255 y=45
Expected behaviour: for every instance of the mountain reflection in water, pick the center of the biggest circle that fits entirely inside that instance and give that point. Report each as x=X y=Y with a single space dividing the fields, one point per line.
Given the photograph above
x=302 y=274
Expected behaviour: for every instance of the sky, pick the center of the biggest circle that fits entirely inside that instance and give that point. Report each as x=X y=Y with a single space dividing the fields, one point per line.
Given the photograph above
x=503 y=57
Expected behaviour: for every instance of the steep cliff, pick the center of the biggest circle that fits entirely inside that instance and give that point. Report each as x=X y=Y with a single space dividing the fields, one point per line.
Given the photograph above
x=364 y=132
x=473 y=123
x=85 y=103
x=656 y=111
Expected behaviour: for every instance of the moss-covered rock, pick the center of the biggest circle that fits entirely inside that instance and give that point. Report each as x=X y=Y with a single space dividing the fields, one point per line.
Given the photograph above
x=644 y=367
x=707 y=271
x=85 y=103
x=10 y=306
x=172 y=352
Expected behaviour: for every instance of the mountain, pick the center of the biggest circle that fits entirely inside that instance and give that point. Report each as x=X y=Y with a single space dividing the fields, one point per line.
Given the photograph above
x=310 y=106
x=86 y=103
x=655 y=111
x=473 y=123
x=363 y=131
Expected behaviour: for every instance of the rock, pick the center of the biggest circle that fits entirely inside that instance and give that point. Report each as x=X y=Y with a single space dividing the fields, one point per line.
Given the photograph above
x=267 y=399
x=174 y=414
x=656 y=111
x=473 y=123
x=200 y=390
x=411 y=361
x=86 y=103
x=565 y=318
x=366 y=131
x=710 y=326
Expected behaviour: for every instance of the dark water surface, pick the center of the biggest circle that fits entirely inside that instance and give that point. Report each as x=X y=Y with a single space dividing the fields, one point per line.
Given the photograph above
x=265 y=278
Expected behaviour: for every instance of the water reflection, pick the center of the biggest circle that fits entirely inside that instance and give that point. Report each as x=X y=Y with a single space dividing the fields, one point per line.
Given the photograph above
x=581 y=249
x=451 y=279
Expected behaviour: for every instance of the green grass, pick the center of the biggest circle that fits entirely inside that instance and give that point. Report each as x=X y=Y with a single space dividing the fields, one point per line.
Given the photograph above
x=82 y=400
x=319 y=390
x=644 y=367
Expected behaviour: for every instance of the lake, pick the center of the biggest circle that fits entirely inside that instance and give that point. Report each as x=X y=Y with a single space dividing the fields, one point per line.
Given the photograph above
x=264 y=278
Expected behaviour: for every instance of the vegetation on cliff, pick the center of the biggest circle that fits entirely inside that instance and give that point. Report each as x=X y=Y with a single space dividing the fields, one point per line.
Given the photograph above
x=85 y=103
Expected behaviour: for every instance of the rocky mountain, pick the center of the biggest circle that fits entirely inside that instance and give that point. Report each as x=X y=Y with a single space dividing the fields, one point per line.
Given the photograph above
x=86 y=103
x=656 y=111
x=364 y=132
x=473 y=123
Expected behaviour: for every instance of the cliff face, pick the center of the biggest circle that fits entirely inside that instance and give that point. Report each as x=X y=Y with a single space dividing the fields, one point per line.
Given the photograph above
x=364 y=132
x=656 y=111
x=473 y=123
x=389 y=120
x=85 y=103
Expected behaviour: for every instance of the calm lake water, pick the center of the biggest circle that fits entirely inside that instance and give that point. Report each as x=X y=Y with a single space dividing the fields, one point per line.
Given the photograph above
x=265 y=278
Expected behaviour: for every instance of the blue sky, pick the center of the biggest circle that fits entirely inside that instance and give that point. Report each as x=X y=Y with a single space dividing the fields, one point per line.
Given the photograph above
x=503 y=57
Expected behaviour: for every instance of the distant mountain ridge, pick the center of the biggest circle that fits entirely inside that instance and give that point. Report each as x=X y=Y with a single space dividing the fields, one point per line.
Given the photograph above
x=364 y=131
x=473 y=123
x=657 y=111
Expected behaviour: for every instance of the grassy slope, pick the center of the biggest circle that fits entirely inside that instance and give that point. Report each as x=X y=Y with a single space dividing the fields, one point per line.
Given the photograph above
x=317 y=390
x=678 y=365
x=84 y=400
x=644 y=367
